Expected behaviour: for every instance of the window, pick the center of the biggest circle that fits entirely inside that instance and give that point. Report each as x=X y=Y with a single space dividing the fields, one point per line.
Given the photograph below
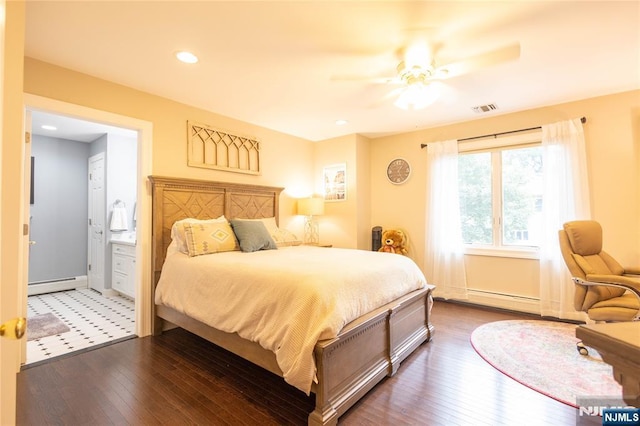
x=501 y=197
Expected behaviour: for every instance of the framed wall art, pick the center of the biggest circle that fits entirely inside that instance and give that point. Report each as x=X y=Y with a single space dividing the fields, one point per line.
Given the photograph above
x=334 y=179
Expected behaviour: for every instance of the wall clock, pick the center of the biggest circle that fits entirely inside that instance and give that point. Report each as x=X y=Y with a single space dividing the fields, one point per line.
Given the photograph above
x=398 y=171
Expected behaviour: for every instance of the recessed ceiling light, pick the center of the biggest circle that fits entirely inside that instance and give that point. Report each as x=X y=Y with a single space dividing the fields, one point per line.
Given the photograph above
x=48 y=127
x=341 y=122
x=187 y=57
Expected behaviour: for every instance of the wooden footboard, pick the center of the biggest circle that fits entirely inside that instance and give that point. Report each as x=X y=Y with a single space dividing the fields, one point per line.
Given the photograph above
x=366 y=351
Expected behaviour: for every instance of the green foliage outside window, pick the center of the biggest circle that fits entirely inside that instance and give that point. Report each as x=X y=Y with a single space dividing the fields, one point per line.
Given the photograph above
x=474 y=177
x=520 y=178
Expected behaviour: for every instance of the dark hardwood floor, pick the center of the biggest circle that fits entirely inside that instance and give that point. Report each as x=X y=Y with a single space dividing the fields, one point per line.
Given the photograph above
x=178 y=378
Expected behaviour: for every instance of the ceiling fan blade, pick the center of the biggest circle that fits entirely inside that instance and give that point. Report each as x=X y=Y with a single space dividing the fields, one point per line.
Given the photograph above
x=384 y=99
x=483 y=60
x=370 y=79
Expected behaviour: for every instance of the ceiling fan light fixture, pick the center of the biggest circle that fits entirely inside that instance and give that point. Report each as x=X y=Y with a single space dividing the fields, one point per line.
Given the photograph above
x=413 y=74
x=416 y=96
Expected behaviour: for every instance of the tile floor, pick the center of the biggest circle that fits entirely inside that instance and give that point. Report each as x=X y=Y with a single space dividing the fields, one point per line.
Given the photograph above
x=93 y=320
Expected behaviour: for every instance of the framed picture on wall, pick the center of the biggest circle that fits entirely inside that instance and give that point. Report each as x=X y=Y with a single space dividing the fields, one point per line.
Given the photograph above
x=334 y=179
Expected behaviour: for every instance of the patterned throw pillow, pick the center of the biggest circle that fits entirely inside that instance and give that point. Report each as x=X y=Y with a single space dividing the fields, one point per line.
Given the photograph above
x=209 y=237
x=178 y=232
x=282 y=237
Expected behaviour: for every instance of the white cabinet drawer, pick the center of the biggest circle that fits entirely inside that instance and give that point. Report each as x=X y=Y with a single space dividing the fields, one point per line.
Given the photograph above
x=124 y=249
x=119 y=282
x=121 y=263
x=123 y=269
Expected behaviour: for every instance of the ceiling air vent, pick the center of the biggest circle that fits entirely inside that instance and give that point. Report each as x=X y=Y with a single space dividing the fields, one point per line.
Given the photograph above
x=484 y=108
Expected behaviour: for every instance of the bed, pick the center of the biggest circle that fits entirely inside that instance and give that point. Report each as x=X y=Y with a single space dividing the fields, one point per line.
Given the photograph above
x=347 y=365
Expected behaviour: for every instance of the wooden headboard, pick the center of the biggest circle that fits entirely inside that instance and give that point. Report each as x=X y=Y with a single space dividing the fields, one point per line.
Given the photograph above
x=175 y=199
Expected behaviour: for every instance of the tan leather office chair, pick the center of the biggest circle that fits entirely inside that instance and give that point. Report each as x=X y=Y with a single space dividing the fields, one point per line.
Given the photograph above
x=605 y=290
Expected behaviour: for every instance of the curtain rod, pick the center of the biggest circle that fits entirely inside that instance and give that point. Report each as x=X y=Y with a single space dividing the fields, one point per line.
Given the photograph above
x=424 y=145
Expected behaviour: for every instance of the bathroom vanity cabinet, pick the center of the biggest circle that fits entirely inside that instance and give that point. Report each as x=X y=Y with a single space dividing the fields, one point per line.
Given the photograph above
x=123 y=268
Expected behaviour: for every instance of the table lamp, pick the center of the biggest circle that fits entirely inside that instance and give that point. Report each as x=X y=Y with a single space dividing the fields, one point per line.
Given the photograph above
x=310 y=207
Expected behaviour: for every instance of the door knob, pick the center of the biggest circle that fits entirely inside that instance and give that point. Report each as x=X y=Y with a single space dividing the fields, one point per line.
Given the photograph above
x=14 y=329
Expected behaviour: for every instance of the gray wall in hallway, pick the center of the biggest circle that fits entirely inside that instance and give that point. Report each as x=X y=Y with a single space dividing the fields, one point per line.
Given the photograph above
x=59 y=213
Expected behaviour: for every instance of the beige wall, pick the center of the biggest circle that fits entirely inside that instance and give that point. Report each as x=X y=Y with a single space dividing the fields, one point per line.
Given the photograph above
x=346 y=223
x=11 y=198
x=363 y=188
x=296 y=164
x=613 y=154
x=338 y=225
x=285 y=159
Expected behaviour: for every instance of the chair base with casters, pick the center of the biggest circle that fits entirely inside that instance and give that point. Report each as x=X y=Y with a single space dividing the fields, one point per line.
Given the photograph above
x=582 y=349
x=621 y=308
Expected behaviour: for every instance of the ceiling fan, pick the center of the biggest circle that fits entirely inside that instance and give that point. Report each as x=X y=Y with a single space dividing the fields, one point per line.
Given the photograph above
x=419 y=72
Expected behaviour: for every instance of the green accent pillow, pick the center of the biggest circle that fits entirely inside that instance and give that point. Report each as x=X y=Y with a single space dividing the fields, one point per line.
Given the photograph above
x=252 y=235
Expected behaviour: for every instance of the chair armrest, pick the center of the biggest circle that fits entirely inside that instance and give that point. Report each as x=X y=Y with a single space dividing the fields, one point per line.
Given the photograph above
x=628 y=283
x=634 y=270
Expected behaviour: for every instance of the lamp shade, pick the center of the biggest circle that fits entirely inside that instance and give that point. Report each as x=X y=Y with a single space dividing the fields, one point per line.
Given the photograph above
x=311 y=206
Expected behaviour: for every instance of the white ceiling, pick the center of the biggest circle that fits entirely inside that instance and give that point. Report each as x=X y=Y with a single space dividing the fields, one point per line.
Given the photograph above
x=274 y=63
x=73 y=129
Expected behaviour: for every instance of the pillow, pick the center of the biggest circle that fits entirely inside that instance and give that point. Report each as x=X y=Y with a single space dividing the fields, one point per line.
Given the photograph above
x=252 y=235
x=284 y=238
x=178 y=234
x=209 y=237
x=281 y=237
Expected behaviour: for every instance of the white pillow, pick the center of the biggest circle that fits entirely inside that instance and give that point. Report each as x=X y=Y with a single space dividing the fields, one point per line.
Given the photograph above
x=178 y=234
x=282 y=237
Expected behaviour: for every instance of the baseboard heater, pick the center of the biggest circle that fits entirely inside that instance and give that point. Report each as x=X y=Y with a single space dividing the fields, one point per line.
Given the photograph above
x=504 y=301
x=61 y=284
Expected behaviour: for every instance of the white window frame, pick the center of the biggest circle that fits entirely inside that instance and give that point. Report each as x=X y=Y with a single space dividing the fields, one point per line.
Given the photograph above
x=495 y=144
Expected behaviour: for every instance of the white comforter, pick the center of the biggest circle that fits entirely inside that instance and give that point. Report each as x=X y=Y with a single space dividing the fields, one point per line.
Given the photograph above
x=285 y=299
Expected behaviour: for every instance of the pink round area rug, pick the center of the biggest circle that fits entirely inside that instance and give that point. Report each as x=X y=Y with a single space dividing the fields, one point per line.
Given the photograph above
x=542 y=355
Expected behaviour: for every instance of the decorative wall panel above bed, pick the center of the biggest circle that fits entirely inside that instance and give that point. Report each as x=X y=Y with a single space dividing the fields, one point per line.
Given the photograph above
x=210 y=148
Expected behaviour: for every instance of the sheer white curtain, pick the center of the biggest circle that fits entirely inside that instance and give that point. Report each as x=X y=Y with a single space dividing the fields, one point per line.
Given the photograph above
x=444 y=255
x=565 y=198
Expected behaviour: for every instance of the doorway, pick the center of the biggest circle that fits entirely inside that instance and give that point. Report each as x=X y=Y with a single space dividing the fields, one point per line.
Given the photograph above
x=141 y=201
x=72 y=305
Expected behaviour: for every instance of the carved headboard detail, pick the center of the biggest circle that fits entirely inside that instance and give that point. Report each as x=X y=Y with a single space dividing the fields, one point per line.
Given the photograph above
x=175 y=199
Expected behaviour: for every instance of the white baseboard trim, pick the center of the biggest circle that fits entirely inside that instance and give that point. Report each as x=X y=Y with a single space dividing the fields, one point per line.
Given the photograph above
x=42 y=287
x=504 y=301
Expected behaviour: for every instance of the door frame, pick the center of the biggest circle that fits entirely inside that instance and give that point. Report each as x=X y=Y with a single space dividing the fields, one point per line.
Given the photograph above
x=143 y=303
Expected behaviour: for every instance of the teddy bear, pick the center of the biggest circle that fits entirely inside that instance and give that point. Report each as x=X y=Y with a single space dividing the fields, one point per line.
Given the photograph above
x=394 y=241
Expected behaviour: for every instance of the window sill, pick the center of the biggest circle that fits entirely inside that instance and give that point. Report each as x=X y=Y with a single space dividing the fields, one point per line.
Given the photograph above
x=511 y=252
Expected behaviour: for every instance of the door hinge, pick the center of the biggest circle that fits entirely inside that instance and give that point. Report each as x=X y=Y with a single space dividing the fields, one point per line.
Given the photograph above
x=25 y=229
x=89 y=267
x=89 y=222
x=27 y=137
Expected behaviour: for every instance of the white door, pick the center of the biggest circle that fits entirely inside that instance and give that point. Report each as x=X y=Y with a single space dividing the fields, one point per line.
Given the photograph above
x=26 y=220
x=95 y=272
